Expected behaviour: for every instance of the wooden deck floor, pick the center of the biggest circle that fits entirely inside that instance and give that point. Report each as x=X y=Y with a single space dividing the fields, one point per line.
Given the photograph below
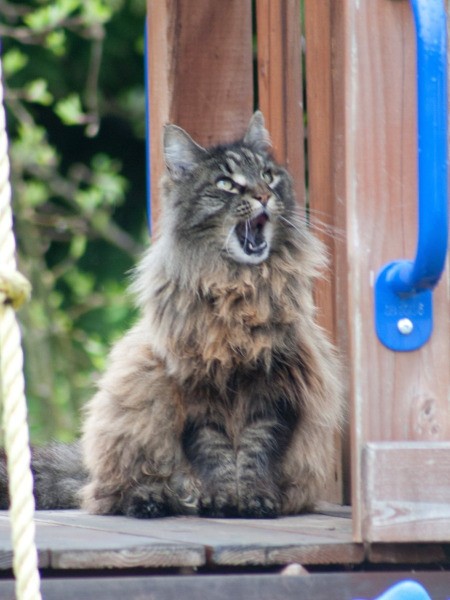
x=76 y=540
x=84 y=556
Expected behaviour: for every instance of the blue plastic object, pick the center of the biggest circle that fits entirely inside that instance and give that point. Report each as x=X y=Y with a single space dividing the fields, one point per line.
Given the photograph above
x=405 y=590
x=403 y=297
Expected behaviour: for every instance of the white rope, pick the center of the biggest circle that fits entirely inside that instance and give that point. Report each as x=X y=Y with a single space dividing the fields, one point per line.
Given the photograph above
x=13 y=290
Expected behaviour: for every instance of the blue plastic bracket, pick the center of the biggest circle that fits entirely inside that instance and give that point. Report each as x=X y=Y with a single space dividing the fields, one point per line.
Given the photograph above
x=403 y=289
x=405 y=590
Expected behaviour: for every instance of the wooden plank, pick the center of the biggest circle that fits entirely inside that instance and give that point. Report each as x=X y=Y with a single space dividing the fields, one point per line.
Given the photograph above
x=408 y=554
x=320 y=139
x=245 y=587
x=280 y=93
x=69 y=546
x=333 y=510
x=395 y=396
x=200 y=73
x=406 y=492
x=310 y=539
x=324 y=108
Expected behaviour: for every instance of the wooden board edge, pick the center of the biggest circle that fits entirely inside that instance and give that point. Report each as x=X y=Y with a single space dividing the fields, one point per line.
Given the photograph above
x=397 y=505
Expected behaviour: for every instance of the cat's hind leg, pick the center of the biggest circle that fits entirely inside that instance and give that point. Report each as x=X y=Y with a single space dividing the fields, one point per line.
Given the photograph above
x=132 y=439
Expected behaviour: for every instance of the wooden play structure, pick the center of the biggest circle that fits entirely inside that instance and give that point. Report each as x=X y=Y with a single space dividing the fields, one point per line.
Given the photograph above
x=354 y=160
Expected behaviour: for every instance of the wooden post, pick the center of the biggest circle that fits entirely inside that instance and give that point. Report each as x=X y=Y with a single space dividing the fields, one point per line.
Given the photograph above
x=280 y=83
x=200 y=73
x=396 y=397
x=324 y=144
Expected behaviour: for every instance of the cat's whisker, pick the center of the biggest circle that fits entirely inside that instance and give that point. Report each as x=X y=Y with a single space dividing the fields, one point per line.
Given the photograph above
x=227 y=241
x=315 y=218
x=290 y=222
x=317 y=211
x=315 y=225
x=329 y=230
x=246 y=231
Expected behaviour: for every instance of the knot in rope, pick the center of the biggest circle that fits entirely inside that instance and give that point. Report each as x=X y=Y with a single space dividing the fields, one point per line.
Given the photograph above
x=15 y=289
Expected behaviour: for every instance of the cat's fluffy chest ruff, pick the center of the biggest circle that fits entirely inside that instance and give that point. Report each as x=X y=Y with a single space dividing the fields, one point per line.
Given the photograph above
x=225 y=324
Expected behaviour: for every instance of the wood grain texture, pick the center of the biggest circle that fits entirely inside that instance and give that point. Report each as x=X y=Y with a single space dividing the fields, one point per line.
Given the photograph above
x=200 y=73
x=76 y=540
x=408 y=554
x=325 y=210
x=406 y=492
x=395 y=396
x=66 y=544
x=280 y=92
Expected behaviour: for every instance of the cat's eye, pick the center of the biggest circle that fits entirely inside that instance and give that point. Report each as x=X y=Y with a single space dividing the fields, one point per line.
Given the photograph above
x=226 y=184
x=268 y=176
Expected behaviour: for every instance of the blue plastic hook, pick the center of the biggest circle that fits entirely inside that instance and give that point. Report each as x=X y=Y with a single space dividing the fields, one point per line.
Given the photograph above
x=403 y=297
x=405 y=590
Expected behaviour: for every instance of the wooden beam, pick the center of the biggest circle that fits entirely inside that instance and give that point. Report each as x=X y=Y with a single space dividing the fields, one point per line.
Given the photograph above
x=200 y=73
x=280 y=83
x=406 y=492
x=324 y=93
x=321 y=111
x=396 y=396
x=320 y=586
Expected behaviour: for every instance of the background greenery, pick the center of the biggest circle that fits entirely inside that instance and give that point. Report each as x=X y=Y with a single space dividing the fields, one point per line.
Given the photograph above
x=74 y=73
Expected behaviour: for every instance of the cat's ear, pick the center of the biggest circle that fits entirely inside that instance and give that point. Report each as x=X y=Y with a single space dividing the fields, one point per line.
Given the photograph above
x=181 y=153
x=257 y=135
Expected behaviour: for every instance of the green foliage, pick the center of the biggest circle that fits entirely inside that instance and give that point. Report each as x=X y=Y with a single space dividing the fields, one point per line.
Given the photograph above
x=70 y=111
x=73 y=76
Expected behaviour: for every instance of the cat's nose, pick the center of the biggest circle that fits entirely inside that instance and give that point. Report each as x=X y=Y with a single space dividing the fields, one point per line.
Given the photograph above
x=262 y=197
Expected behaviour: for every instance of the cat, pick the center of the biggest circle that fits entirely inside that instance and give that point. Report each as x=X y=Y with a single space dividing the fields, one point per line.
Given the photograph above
x=224 y=398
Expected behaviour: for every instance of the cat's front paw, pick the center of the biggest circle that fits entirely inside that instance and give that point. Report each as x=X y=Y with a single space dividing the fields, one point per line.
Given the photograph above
x=259 y=505
x=218 y=504
x=143 y=504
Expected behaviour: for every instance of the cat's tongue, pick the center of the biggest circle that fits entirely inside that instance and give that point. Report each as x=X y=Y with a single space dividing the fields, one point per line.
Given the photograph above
x=251 y=234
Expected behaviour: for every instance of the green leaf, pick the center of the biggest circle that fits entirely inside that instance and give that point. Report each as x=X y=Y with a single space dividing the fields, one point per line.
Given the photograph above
x=70 y=110
x=56 y=42
x=36 y=91
x=31 y=147
x=97 y=11
x=34 y=193
x=80 y=282
x=78 y=246
x=89 y=199
x=107 y=179
x=51 y=16
x=13 y=61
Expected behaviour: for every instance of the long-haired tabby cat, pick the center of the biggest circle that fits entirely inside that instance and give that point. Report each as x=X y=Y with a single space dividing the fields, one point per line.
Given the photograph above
x=224 y=398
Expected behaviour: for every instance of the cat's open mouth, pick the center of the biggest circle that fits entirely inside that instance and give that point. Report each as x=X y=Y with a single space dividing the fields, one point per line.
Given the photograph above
x=250 y=234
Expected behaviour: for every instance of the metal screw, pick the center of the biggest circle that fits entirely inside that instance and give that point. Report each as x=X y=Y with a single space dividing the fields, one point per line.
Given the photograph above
x=405 y=326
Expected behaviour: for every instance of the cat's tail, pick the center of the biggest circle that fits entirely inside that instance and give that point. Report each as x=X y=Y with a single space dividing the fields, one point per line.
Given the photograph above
x=58 y=474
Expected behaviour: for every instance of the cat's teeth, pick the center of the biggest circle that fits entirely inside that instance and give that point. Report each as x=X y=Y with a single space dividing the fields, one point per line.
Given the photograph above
x=259 y=248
